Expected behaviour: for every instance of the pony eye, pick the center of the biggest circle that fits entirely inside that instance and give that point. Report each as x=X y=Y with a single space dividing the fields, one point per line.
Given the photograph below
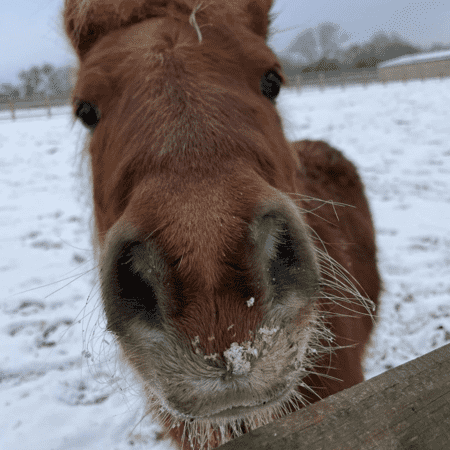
x=270 y=84
x=88 y=113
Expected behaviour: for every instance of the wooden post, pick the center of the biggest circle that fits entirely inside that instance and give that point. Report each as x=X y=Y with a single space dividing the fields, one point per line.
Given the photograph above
x=12 y=108
x=407 y=407
x=47 y=103
x=321 y=81
x=299 y=82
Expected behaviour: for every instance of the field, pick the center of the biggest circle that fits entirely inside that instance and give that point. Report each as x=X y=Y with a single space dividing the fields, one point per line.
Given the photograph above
x=60 y=385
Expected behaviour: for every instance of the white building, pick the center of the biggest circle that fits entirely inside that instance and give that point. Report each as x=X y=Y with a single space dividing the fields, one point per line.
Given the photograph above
x=420 y=65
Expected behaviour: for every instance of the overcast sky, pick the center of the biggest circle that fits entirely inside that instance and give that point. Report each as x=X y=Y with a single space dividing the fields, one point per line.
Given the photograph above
x=31 y=30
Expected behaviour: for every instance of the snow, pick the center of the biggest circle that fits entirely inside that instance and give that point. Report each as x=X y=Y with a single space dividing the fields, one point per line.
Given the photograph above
x=60 y=385
x=236 y=358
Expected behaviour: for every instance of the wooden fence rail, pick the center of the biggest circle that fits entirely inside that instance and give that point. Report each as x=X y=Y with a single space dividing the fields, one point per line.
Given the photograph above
x=343 y=80
x=405 y=408
x=298 y=82
x=20 y=105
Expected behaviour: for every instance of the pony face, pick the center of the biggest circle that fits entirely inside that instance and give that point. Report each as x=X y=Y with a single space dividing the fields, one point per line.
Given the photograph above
x=209 y=276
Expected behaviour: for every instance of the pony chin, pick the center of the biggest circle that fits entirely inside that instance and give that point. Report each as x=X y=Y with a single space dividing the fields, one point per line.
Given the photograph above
x=269 y=370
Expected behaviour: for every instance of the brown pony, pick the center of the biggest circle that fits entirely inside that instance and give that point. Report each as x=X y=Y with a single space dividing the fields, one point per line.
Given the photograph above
x=236 y=269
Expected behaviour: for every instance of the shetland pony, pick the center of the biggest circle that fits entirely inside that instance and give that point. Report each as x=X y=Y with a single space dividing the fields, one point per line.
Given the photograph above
x=238 y=271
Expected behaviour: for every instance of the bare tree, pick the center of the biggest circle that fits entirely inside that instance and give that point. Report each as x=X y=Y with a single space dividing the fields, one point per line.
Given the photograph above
x=305 y=45
x=31 y=80
x=42 y=81
x=324 y=41
x=8 y=92
x=379 y=43
x=53 y=85
x=436 y=46
x=330 y=37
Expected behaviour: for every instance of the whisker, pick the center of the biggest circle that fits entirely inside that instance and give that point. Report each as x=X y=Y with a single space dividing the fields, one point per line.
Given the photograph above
x=308 y=198
x=73 y=277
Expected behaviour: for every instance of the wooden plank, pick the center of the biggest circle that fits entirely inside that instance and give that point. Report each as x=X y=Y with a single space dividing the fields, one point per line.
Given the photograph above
x=407 y=407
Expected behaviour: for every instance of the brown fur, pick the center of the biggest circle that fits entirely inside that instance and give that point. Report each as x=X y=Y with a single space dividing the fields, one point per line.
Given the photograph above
x=216 y=235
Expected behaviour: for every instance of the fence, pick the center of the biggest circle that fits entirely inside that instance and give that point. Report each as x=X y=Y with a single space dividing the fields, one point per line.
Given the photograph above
x=364 y=77
x=13 y=106
x=349 y=78
x=407 y=407
x=342 y=79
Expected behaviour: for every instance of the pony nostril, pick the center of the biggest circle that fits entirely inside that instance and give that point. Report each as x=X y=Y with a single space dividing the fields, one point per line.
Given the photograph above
x=282 y=246
x=130 y=292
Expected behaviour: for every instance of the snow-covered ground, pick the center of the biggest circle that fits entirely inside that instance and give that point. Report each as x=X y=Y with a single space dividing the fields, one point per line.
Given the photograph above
x=60 y=387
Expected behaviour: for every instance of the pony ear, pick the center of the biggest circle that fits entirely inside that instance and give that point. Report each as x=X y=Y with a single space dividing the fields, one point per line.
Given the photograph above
x=253 y=13
x=85 y=21
x=258 y=13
